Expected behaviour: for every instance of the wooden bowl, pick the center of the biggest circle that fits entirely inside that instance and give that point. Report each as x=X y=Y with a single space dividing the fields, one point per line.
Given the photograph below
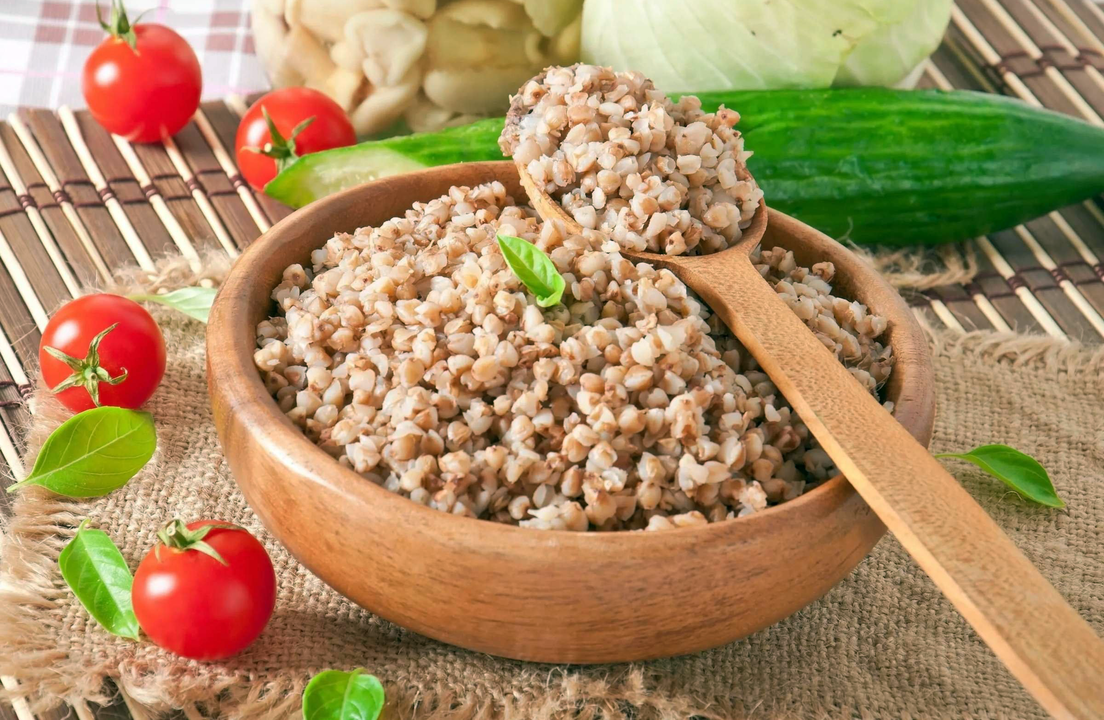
x=521 y=593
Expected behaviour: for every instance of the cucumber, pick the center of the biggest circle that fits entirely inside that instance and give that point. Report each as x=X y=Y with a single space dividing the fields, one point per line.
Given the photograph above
x=880 y=166
x=900 y=167
x=324 y=173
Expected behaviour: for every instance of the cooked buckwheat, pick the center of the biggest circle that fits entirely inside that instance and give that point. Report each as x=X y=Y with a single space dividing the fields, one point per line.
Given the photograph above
x=623 y=159
x=412 y=354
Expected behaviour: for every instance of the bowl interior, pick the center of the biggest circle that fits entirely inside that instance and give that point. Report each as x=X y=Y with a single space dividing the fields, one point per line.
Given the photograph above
x=294 y=238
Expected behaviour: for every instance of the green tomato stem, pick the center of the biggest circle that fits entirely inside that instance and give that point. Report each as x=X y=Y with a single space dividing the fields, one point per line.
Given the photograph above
x=119 y=26
x=87 y=372
x=280 y=149
x=176 y=535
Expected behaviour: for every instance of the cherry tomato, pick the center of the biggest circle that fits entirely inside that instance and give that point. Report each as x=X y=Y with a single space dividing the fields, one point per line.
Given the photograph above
x=102 y=350
x=205 y=591
x=305 y=121
x=143 y=81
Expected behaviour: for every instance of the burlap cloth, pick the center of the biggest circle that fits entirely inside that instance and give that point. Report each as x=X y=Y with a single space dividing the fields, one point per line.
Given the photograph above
x=882 y=644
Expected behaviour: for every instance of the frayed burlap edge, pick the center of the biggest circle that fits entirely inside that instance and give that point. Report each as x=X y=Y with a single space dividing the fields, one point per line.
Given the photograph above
x=1034 y=351
x=923 y=268
x=42 y=524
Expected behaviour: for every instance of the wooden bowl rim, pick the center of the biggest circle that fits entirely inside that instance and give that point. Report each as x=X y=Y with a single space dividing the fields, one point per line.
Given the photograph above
x=247 y=398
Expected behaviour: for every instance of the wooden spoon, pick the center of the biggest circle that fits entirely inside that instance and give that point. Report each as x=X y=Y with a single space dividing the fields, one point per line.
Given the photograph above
x=1050 y=649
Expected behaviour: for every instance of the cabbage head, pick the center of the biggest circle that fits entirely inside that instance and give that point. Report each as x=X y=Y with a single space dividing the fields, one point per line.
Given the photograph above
x=697 y=45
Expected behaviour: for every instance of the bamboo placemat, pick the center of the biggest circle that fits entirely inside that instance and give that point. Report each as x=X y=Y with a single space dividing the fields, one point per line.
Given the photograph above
x=76 y=202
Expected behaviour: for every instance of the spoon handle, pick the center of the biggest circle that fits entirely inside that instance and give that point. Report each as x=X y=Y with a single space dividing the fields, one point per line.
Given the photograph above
x=1046 y=645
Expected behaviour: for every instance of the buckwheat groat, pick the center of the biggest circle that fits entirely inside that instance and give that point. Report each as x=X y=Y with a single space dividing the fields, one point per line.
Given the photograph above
x=623 y=159
x=414 y=355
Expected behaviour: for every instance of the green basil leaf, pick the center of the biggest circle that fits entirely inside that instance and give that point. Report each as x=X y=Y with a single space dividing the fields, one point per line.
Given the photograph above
x=192 y=301
x=1015 y=469
x=98 y=575
x=94 y=452
x=535 y=270
x=336 y=695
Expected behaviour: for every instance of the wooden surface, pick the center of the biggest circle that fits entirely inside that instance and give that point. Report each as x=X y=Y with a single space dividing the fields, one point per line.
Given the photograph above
x=545 y=596
x=1043 y=277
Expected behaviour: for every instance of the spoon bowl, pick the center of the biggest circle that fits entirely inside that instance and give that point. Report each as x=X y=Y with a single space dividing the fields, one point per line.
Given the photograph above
x=549 y=209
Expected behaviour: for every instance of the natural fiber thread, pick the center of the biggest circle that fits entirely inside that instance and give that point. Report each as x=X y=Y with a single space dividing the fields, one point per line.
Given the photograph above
x=882 y=644
x=923 y=268
x=1019 y=350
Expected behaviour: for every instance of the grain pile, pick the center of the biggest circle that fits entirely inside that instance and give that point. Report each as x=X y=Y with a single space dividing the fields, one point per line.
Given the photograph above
x=622 y=158
x=412 y=354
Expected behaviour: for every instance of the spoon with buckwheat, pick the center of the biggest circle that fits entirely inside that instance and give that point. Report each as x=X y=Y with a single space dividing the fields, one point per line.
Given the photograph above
x=1042 y=640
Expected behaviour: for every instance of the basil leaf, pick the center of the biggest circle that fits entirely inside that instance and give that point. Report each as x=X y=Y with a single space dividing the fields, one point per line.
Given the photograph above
x=1015 y=469
x=336 y=695
x=535 y=270
x=94 y=452
x=192 y=301
x=98 y=575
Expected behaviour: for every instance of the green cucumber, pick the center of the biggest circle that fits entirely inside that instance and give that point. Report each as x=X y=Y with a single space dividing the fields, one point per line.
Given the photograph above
x=880 y=166
x=324 y=173
x=900 y=167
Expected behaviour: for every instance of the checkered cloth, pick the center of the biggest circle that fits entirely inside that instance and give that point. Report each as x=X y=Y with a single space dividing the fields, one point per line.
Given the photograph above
x=44 y=43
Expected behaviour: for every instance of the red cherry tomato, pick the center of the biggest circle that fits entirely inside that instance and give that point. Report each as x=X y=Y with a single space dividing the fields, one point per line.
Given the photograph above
x=102 y=350
x=288 y=110
x=143 y=81
x=190 y=603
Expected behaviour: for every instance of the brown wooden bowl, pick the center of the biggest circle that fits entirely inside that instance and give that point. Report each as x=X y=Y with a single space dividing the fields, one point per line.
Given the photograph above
x=533 y=594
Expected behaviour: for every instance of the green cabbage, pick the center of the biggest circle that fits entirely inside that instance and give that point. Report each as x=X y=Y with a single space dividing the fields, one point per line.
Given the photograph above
x=887 y=55
x=696 y=45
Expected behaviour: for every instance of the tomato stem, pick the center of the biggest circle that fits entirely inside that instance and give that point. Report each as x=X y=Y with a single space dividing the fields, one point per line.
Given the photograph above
x=176 y=535
x=119 y=26
x=87 y=372
x=280 y=149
